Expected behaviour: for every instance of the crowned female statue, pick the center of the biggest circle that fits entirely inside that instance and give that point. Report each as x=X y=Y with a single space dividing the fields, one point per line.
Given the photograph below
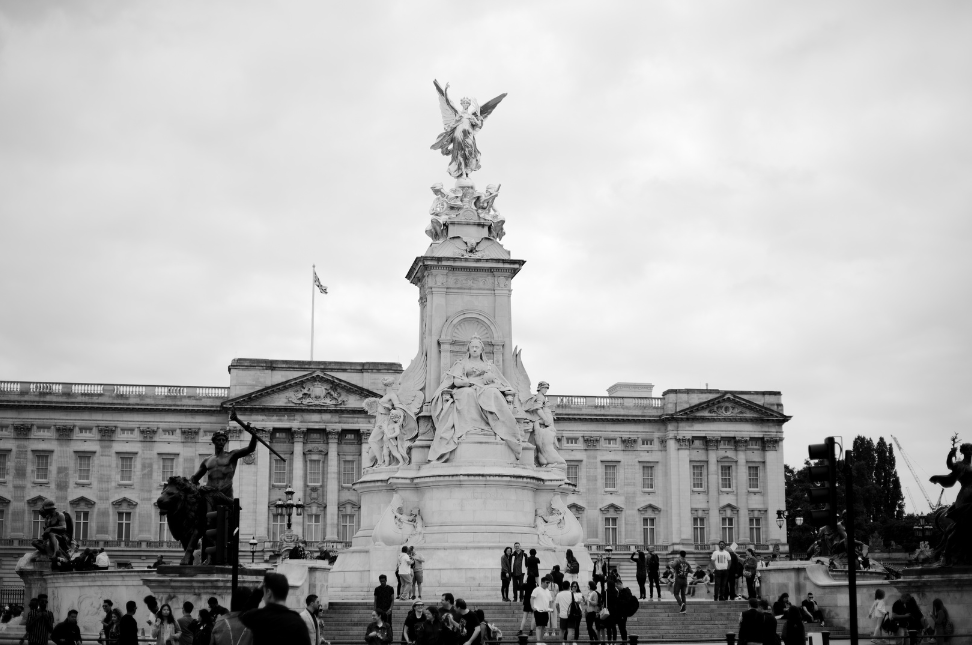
x=472 y=396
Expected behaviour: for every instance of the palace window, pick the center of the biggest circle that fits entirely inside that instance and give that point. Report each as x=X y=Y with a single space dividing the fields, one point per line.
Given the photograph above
x=36 y=524
x=279 y=472
x=610 y=476
x=349 y=526
x=312 y=527
x=277 y=528
x=647 y=478
x=572 y=441
x=348 y=471
x=572 y=473
x=610 y=530
x=725 y=477
x=756 y=530
x=164 y=534
x=3 y=465
x=81 y=525
x=727 y=443
x=41 y=468
x=124 y=529
x=3 y=514
x=610 y=441
x=698 y=476
x=168 y=432
x=698 y=530
x=754 y=478
x=314 y=472
x=168 y=468
x=648 y=531
x=86 y=431
x=647 y=442
x=756 y=443
x=84 y=468
x=126 y=432
x=126 y=464
x=728 y=532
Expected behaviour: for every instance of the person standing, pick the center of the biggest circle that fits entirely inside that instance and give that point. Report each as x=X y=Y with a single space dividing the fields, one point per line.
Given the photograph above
x=418 y=573
x=413 y=622
x=229 y=630
x=641 y=572
x=721 y=560
x=39 y=623
x=599 y=574
x=528 y=618
x=943 y=624
x=516 y=573
x=469 y=624
x=309 y=616
x=405 y=574
x=682 y=569
x=769 y=635
x=572 y=570
x=617 y=621
x=378 y=632
x=384 y=599
x=274 y=623
x=67 y=632
x=166 y=630
x=506 y=573
x=112 y=631
x=592 y=605
x=751 y=624
x=877 y=612
x=128 y=626
x=187 y=624
x=107 y=606
x=533 y=568
x=540 y=603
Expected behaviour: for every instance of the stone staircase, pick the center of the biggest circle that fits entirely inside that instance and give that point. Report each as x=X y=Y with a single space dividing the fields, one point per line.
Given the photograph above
x=654 y=621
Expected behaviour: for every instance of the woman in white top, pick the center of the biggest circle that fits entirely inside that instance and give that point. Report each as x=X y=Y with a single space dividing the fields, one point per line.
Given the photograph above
x=878 y=611
x=405 y=573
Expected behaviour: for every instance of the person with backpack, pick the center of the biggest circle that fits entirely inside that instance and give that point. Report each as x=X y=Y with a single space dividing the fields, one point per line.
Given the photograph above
x=641 y=571
x=681 y=569
x=592 y=606
x=617 y=620
x=568 y=603
x=573 y=567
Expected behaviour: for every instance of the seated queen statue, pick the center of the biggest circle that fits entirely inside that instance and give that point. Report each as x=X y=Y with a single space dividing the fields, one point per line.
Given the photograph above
x=472 y=396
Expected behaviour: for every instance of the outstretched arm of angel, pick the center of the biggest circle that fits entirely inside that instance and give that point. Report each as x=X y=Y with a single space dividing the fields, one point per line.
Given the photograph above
x=448 y=110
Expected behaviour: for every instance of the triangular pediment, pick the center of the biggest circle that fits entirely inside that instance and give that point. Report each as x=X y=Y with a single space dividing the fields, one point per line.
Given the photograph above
x=314 y=390
x=37 y=500
x=649 y=508
x=731 y=407
x=576 y=508
x=611 y=508
x=4 y=501
x=81 y=502
x=124 y=502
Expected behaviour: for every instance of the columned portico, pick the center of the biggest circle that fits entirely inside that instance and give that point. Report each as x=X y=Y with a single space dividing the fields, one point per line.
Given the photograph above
x=333 y=485
x=713 y=529
x=742 y=489
x=297 y=478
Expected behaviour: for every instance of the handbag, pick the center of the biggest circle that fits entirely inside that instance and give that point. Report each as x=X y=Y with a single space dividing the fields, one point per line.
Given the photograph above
x=574 y=610
x=748 y=573
x=604 y=613
x=887 y=625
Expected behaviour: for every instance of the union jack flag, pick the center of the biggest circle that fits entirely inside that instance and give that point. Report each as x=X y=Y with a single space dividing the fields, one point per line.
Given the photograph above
x=317 y=283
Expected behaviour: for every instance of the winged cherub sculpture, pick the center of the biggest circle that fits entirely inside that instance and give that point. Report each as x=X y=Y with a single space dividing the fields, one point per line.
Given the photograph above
x=458 y=138
x=395 y=425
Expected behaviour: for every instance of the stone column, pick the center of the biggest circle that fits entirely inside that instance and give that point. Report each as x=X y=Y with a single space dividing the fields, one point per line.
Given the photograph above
x=19 y=513
x=147 y=526
x=674 y=483
x=332 y=486
x=262 y=509
x=104 y=528
x=774 y=486
x=298 y=481
x=365 y=435
x=63 y=454
x=592 y=473
x=742 y=494
x=712 y=453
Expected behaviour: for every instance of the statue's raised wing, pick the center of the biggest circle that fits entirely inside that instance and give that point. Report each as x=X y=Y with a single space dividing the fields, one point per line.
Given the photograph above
x=448 y=110
x=520 y=379
x=487 y=108
x=411 y=383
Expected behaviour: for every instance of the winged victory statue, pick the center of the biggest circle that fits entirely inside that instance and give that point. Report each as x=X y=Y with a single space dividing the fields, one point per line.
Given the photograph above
x=458 y=138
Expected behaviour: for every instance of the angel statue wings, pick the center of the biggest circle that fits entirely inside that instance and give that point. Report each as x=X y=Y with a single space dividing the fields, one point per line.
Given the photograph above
x=395 y=425
x=458 y=138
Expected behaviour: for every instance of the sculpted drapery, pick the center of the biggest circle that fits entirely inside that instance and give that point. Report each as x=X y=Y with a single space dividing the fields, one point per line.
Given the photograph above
x=472 y=396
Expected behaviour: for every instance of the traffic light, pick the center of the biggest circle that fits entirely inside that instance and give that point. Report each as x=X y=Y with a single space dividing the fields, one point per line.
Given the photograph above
x=824 y=474
x=218 y=535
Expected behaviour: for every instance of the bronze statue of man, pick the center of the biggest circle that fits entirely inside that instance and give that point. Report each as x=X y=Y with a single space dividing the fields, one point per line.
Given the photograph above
x=55 y=539
x=221 y=467
x=955 y=547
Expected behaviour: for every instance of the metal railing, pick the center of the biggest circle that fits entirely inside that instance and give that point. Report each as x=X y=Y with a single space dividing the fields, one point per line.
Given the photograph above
x=579 y=401
x=105 y=389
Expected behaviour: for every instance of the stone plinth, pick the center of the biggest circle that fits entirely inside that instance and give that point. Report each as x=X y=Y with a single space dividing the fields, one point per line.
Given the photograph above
x=306 y=577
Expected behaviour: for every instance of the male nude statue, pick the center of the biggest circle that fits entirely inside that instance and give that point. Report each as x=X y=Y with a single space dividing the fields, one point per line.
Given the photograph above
x=55 y=540
x=221 y=467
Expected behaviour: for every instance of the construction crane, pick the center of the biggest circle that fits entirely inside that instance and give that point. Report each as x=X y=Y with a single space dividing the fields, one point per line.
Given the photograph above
x=904 y=455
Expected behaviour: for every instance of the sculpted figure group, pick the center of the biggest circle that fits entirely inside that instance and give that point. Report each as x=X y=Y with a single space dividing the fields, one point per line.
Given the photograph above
x=447 y=204
x=955 y=521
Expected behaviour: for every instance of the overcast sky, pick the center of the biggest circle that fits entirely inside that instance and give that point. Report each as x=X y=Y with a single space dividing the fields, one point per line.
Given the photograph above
x=753 y=195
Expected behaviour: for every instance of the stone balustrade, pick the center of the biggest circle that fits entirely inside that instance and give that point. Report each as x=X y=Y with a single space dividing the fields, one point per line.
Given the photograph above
x=632 y=404
x=9 y=388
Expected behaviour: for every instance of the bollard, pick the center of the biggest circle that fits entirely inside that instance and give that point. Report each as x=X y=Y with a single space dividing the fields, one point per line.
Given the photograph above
x=730 y=638
x=913 y=636
x=811 y=638
x=825 y=638
x=523 y=638
x=633 y=639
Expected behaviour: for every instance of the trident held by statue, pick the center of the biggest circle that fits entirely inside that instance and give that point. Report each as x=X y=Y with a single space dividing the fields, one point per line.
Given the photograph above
x=253 y=431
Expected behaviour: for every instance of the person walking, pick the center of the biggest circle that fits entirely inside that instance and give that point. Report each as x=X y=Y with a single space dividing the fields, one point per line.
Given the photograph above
x=641 y=571
x=39 y=623
x=751 y=624
x=794 y=633
x=274 y=623
x=418 y=573
x=506 y=573
x=750 y=572
x=572 y=612
x=572 y=570
x=405 y=574
x=681 y=569
x=516 y=573
x=384 y=598
x=617 y=621
x=413 y=622
x=528 y=618
x=67 y=632
x=229 y=629
x=204 y=633
x=187 y=624
x=166 y=630
x=128 y=625
x=943 y=624
x=721 y=560
x=599 y=574
x=877 y=613
x=769 y=636
x=540 y=603
x=309 y=616
x=378 y=632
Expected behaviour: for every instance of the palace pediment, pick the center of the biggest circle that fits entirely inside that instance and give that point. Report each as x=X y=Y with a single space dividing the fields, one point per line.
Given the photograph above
x=730 y=407
x=315 y=390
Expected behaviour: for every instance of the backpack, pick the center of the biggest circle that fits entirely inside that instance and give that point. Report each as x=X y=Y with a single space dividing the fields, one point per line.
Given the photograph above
x=627 y=603
x=574 y=611
x=573 y=566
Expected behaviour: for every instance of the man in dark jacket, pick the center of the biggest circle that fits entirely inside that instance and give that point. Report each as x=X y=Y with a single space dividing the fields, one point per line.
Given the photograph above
x=654 y=582
x=128 y=626
x=770 y=637
x=67 y=633
x=641 y=571
x=751 y=624
x=275 y=623
x=517 y=572
x=617 y=617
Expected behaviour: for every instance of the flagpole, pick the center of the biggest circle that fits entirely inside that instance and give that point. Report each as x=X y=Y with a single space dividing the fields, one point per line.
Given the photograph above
x=313 y=289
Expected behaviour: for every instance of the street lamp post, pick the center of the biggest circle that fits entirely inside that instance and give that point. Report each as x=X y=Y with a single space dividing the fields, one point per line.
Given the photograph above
x=781 y=517
x=609 y=550
x=253 y=546
x=281 y=508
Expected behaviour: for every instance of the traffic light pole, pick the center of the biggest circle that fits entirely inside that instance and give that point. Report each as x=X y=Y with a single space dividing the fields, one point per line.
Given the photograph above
x=851 y=545
x=234 y=539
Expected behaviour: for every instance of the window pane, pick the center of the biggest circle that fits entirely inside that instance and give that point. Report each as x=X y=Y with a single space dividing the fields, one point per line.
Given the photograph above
x=348 y=526
x=610 y=441
x=754 y=477
x=727 y=530
x=312 y=527
x=40 y=467
x=125 y=468
x=572 y=441
x=698 y=477
x=648 y=478
x=124 y=531
x=698 y=530
x=2 y=518
x=314 y=472
x=648 y=530
x=755 y=530
x=348 y=472
x=84 y=468
x=278 y=526
x=36 y=524
x=3 y=465
x=610 y=530
x=572 y=473
x=279 y=471
x=168 y=468
x=610 y=476
x=164 y=534
x=81 y=525
x=725 y=474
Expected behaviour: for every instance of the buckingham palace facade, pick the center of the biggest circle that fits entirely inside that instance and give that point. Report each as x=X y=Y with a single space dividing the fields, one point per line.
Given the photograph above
x=682 y=470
